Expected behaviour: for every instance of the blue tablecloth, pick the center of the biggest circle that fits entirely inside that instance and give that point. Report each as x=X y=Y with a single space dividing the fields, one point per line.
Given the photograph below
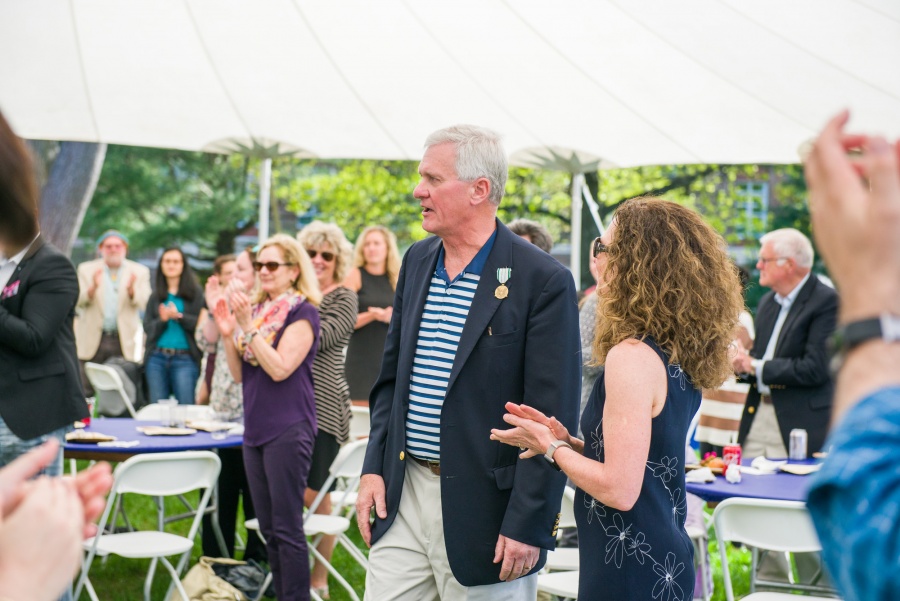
x=780 y=486
x=124 y=429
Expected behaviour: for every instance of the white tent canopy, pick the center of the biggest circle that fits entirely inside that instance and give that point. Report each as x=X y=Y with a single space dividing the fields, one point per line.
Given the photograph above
x=631 y=81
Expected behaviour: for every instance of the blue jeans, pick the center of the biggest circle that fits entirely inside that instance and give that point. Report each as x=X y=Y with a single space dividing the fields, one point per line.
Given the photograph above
x=171 y=374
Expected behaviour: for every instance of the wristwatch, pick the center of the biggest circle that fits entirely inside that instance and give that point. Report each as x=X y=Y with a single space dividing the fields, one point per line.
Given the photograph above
x=552 y=449
x=885 y=327
x=249 y=336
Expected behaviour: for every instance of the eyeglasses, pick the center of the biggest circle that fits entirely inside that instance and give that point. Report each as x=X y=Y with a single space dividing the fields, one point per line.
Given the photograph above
x=270 y=265
x=598 y=247
x=326 y=256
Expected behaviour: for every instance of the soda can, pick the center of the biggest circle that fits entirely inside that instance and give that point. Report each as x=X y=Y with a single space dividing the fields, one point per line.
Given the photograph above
x=731 y=455
x=798 y=445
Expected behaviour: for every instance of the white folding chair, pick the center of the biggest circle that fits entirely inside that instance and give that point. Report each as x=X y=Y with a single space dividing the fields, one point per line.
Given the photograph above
x=157 y=475
x=106 y=380
x=347 y=471
x=765 y=524
x=700 y=539
x=564 y=559
x=347 y=464
x=360 y=422
x=562 y=584
x=154 y=412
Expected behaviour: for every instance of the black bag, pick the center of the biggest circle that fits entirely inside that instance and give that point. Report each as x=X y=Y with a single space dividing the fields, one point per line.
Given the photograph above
x=247 y=578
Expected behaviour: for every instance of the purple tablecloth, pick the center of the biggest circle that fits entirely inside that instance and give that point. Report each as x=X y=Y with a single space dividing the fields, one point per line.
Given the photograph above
x=780 y=486
x=124 y=429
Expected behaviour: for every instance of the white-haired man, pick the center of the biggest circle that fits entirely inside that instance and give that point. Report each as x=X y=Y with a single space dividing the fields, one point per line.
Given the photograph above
x=481 y=318
x=788 y=364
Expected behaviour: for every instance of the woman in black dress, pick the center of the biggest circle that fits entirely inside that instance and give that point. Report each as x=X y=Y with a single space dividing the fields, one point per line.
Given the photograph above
x=374 y=279
x=669 y=299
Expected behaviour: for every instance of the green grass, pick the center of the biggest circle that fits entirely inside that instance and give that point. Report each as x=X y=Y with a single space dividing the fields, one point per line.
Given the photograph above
x=120 y=579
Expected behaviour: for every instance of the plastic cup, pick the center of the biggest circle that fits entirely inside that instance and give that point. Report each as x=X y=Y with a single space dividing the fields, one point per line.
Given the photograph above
x=167 y=414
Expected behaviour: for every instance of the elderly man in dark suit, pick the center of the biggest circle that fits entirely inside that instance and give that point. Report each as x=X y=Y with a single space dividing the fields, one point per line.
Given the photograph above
x=481 y=318
x=788 y=364
x=40 y=388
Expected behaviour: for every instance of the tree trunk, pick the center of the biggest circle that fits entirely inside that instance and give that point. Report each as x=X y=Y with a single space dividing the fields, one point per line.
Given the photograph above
x=68 y=191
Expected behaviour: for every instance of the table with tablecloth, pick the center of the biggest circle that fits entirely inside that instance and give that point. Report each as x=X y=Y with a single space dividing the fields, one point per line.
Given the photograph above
x=780 y=485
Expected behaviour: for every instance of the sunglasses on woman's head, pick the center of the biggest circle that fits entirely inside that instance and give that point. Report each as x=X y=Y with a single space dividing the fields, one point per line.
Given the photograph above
x=598 y=247
x=269 y=265
x=326 y=256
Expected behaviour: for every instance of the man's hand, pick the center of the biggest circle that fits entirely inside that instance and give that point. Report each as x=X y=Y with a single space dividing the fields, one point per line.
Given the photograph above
x=371 y=494
x=742 y=363
x=96 y=281
x=518 y=558
x=130 y=288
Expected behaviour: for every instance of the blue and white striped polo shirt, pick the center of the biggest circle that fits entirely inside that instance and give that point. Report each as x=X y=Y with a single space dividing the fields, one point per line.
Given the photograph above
x=443 y=319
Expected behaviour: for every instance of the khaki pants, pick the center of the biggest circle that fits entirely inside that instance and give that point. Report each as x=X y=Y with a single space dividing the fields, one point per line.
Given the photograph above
x=764 y=437
x=410 y=562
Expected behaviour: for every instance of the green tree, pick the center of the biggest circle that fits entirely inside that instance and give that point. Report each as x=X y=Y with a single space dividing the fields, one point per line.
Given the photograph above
x=164 y=197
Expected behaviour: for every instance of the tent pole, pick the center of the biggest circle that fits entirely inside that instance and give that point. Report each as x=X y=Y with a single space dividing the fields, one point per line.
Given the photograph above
x=575 y=256
x=265 y=185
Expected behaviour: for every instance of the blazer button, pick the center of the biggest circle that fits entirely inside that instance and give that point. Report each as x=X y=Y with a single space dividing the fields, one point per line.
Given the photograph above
x=402 y=455
x=749 y=410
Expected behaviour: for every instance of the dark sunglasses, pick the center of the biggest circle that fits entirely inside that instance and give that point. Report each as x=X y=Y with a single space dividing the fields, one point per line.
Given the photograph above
x=270 y=265
x=598 y=247
x=326 y=256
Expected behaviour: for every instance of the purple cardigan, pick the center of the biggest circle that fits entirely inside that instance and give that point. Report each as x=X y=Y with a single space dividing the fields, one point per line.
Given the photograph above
x=272 y=407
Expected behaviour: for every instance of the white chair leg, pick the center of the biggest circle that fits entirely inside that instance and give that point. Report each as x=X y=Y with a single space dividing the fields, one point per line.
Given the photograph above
x=331 y=570
x=175 y=579
x=148 y=582
x=265 y=585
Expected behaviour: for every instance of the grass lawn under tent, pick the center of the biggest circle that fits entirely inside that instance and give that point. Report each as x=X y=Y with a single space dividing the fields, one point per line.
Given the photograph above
x=120 y=579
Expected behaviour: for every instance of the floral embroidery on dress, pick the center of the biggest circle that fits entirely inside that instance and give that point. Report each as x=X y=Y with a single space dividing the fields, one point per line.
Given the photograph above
x=667 y=588
x=676 y=372
x=623 y=543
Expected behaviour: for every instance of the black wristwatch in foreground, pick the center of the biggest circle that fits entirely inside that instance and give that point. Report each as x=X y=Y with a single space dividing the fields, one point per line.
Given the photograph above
x=885 y=327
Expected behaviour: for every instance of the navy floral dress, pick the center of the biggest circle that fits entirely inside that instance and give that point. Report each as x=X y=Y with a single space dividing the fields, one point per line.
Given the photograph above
x=644 y=553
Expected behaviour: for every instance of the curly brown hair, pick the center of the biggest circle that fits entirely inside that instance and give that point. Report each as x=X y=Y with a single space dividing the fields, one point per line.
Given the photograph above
x=669 y=278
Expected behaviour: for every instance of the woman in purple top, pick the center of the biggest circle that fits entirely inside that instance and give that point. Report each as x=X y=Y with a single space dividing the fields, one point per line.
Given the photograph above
x=271 y=336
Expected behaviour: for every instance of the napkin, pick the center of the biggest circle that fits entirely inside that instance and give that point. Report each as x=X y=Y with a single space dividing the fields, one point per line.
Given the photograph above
x=125 y=444
x=700 y=475
x=763 y=467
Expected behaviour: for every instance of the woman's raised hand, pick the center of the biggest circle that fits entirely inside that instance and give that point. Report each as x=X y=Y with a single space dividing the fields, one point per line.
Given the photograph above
x=224 y=319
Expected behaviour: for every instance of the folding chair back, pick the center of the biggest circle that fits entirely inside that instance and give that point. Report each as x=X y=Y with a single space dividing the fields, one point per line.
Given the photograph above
x=156 y=475
x=780 y=526
x=348 y=466
x=360 y=422
x=109 y=386
x=567 y=509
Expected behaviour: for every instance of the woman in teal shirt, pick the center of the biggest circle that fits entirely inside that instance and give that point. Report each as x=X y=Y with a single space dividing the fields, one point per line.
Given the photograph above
x=172 y=359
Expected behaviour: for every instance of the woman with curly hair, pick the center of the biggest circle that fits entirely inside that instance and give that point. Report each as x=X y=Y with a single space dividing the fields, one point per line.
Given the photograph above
x=669 y=301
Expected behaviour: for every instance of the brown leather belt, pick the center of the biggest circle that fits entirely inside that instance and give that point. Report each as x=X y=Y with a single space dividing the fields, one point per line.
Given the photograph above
x=433 y=466
x=765 y=398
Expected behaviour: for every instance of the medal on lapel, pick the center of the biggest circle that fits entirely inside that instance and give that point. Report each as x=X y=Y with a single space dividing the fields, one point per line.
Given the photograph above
x=503 y=275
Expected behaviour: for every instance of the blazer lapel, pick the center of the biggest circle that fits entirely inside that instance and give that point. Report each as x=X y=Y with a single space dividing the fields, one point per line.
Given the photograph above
x=485 y=303
x=796 y=308
x=414 y=306
x=765 y=323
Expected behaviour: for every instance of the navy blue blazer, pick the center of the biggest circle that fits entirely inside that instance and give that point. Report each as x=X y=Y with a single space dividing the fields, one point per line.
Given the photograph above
x=524 y=348
x=40 y=384
x=798 y=374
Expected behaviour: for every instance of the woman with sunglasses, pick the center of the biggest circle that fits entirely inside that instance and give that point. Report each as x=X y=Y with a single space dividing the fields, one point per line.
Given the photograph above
x=330 y=253
x=374 y=279
x=172 y=357
x=669 y=300
x=270 y=343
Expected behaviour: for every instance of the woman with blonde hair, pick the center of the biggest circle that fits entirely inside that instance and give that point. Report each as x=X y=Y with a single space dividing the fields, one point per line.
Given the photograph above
x=270 y=342
x=330 y=253
x=669 y=297
x=374 y=279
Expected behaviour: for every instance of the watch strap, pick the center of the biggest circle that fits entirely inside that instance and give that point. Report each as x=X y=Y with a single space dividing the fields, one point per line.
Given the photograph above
x=552 y=449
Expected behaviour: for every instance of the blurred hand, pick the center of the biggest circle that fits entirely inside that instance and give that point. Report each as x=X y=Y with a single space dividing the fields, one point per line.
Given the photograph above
x=224 y=319
x=240 y=305
x=130 y=287
x=212 y=292
x=855 y=208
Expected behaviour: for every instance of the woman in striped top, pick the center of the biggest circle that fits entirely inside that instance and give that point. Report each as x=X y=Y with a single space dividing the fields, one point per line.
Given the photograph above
x=330 y=253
